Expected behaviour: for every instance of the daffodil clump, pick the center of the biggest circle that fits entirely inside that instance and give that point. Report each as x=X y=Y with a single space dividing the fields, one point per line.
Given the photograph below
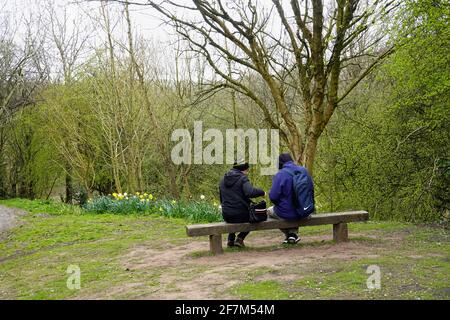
x=143 y=197
x=196 y=210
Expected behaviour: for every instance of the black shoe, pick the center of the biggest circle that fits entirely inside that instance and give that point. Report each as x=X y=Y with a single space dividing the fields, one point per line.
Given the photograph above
x=239 y=243
x=230 y=244
x=292 y=238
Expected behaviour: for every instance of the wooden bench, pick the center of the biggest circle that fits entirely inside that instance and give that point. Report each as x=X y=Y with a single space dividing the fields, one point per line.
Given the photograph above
x=339 y=221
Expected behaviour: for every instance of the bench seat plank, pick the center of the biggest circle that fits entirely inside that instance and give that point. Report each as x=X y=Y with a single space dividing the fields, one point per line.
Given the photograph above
x=313 y=220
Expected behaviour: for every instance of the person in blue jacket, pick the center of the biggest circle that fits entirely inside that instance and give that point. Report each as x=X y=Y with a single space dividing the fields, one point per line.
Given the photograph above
x=281 y=195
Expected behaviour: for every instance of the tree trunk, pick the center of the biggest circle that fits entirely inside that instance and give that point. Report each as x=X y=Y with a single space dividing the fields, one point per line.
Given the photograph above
x=173 y=186
x=69 y=186
x=310 y=154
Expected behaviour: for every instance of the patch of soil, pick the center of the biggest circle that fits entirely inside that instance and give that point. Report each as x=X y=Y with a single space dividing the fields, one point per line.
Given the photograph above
x=287 y=256
x=8 y=218
x=180 y=281
x=113 y=292
x=145 y=256
x=208 y=285
x=443 y=293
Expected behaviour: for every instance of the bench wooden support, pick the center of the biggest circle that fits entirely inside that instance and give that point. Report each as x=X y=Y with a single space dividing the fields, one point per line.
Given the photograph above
x=215 y=243
x=340 y=232
x=339 y=220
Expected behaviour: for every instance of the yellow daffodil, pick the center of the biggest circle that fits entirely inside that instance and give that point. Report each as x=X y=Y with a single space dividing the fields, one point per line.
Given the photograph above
x=174 y=201
x=150 y=196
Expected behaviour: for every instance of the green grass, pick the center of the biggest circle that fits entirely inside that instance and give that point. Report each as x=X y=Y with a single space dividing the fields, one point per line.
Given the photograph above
x=401 y=278
x=266 y=290
x=35 y=255
x=42 y=206
x=418 y=269
x=197 y=211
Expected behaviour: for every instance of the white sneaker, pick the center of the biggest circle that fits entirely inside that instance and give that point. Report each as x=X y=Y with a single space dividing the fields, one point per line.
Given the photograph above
x=292 y=239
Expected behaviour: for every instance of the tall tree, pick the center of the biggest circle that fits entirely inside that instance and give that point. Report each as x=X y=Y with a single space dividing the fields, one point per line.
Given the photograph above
x=298 y=49
x=69 y=40
x=387 y=151
x=23 y=70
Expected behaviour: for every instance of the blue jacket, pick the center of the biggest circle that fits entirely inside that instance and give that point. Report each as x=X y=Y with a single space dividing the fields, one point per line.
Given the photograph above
x=281 y=193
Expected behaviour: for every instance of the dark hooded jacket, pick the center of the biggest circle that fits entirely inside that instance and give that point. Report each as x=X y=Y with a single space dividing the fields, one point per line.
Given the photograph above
x=235 y=193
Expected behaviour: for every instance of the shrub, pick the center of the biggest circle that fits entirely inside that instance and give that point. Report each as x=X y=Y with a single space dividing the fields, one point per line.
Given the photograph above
x=195 y=211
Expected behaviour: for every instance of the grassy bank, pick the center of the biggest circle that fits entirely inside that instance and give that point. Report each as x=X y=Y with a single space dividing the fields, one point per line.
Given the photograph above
x=149 y=256
x=194 y=211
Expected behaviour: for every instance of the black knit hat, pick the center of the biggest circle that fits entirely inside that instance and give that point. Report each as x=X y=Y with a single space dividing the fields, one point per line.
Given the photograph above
x=241 y=165
x=284 y=158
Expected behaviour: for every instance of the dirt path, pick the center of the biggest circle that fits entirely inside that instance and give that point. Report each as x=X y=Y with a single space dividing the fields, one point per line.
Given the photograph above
x=8 y=217
x=185 y=276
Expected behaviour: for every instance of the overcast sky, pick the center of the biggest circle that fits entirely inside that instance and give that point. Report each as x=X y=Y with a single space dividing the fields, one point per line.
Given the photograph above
x=146 y=22
x=143 y=17
x=18 y=13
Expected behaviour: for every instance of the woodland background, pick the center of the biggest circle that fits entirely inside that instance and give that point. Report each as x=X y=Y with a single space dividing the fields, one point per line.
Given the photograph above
x=82 y=116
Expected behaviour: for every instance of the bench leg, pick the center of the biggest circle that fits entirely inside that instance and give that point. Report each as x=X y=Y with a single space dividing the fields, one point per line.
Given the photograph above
x=340 y=232
x=215 y=243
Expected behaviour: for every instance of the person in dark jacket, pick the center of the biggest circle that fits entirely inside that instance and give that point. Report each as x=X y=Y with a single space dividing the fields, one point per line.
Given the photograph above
x=281 y=195
x=235 y=193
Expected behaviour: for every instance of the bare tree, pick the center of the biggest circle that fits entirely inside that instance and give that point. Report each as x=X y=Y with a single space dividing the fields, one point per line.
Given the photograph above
x=161 y=93
x=23 y=71
x=297 y=49
x=69 y=39
x=69 y=36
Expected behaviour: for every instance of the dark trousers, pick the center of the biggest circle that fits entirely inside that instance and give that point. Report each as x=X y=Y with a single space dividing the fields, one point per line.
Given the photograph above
x=237 y=219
